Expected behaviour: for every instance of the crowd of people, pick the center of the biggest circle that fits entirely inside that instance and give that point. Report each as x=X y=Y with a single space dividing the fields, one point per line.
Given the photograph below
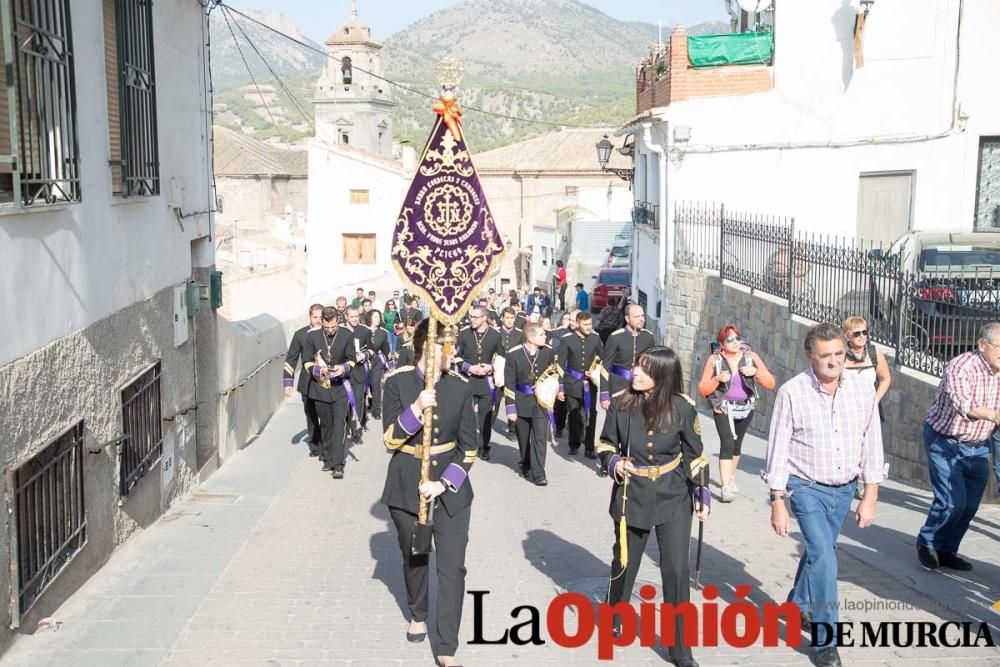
x=364 y=361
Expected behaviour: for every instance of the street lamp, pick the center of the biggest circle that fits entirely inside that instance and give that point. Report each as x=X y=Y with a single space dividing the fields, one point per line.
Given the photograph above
x=604 y=147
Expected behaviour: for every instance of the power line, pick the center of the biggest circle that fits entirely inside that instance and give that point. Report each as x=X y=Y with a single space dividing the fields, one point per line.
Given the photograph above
x=396 y=83
x=277 y=78
x=247 y=65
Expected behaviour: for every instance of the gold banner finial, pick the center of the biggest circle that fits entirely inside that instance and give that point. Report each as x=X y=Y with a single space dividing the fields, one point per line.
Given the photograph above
x=450 y=73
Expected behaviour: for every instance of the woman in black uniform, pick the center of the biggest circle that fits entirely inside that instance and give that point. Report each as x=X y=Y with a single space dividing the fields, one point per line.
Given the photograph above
x=651 y=446
x=379 y=346
x=453 y=452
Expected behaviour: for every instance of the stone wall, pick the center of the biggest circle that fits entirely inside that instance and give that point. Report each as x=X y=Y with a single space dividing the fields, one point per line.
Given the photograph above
x=80 y=377
x=701 y=303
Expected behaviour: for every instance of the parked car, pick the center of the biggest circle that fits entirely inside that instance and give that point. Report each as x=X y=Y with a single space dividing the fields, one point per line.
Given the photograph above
x=620 y=255
x=611 y=286
x=950 y=289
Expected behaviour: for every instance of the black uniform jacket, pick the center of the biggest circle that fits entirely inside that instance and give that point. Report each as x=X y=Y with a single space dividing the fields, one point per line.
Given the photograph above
x=293 y=358
x=473 y=348
x=493 y=317
x=363 y=335
x=622 y=349
x=668 y=498
x=453 y=421
x=509 y=339
x=578 y=354
x=520 y=319
x=520 y=370
x=379 y=343
x=404 y=352
x=336 y=351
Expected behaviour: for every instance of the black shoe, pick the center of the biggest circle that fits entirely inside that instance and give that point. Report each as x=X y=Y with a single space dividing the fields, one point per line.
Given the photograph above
x=356 y=440
x=541 y=482
x=807 y=618
x=574 y=450
x=558 y=433
x=827 y=657
x=314 y=453
x=416 y=637
x=954 y=562
x=685 y=662
x=327 y=466
x=602 y=472
x=379 y=417
x=338 y=473
x=927 y=557
x=590 y=455
x=485 y=455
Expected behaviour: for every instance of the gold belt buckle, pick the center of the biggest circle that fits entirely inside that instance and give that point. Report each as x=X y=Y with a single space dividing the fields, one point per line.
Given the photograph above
x=418 y=451
x=654 y=472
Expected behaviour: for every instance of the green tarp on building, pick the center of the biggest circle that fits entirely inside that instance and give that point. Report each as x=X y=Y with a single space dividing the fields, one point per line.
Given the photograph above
x=747 y=48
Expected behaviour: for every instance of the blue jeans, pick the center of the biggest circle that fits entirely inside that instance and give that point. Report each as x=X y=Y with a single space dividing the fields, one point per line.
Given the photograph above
x=996 y=454
x=392 y=341
x=959 y=473
x=820 y=511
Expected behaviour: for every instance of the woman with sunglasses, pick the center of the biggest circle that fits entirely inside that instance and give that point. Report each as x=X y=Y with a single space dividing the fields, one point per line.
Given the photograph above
x=391 y=318
x=866 y=361
x=730 y=379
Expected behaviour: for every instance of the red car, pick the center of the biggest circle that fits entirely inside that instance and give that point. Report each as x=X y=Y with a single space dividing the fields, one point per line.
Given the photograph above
x=610 y=287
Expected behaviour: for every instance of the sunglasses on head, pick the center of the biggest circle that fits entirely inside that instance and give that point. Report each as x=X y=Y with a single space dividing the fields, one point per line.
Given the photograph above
x=859 y=334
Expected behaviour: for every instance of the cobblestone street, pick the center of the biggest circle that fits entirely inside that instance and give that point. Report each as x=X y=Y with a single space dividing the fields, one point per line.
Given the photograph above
x=272 y=562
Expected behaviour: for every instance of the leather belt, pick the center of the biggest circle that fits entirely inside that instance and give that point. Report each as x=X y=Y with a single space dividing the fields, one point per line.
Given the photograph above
x=655 y=472
x=436 y=450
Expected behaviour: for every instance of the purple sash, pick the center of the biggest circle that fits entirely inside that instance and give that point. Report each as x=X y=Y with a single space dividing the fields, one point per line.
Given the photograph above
x=579 y=375
x=622 y=372
x=381 y=357
x=351 y=401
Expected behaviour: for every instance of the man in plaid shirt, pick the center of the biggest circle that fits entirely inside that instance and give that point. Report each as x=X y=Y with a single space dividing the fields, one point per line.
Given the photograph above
x=825 y=432
x=960 y=423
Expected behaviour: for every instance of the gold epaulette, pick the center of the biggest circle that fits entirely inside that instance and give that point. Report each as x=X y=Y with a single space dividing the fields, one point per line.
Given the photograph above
x=516 y=347
x=618 y=331
x=605 y=446
x=687 y=398
x=455 y=374
x=517 y=329
x=567 y=334
x=398 y=371
x=647 y=331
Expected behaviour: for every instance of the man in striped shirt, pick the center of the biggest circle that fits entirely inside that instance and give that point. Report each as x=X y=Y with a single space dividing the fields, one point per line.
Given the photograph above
x=825 y=432
x=960 y=423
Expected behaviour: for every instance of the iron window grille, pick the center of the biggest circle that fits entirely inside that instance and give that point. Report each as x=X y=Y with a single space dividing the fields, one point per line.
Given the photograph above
x=143 y=428
x=135 y=159
x=39 y=151
x=49 y=526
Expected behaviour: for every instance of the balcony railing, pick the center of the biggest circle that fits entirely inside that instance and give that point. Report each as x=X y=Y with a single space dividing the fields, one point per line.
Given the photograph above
x=644 y=213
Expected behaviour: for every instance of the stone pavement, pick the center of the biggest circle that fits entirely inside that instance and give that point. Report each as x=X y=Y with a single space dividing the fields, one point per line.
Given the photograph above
x=272 y=562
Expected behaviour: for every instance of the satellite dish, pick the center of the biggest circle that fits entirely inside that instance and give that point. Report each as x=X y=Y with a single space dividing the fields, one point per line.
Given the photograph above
x=755 y=6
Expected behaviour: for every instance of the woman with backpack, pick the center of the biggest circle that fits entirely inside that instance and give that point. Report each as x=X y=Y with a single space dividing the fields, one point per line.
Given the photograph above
x=865 y=360
x=730 y=381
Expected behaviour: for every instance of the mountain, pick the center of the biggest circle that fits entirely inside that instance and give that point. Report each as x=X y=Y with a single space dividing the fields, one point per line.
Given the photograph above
x=561 y=61
x=284 y=56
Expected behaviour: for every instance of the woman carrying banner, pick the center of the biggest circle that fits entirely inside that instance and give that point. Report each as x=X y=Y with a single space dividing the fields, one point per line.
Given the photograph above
x=730 y=379
x=651 y=445
x=453 y=452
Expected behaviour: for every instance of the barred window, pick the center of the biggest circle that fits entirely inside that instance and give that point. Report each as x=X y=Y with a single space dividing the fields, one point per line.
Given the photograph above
x=50 y=518
x=131 y=82
x=39 y=148
x=143 y=428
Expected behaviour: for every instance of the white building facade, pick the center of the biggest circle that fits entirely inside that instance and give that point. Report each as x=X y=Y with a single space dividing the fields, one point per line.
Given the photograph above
x=906 y=139
x=105 y=235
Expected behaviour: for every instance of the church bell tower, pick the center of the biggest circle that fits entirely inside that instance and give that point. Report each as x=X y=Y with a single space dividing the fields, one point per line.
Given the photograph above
x=352 y=106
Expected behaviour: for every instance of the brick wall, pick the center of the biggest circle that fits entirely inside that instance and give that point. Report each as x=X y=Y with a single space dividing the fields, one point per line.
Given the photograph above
x=684 y=82
x=701 y=304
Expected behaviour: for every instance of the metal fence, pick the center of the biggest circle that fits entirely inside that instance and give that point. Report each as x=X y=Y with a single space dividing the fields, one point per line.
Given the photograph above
x=50 y=520
x=143 y=428
x=927 y=317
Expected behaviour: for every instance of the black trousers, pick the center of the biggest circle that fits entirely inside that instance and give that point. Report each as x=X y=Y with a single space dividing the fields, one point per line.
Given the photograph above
x=376 y=376
x=312 y=421
x=673 y=539
x=333 y=427
x=730 y=444
x=484 y=419
x=359 y=400
x=578 y=432
x=562 y=297
x=560 y=414
x=532 y=436
x=451 y=536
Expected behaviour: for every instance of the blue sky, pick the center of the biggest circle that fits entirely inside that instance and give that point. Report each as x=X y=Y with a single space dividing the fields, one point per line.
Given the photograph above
x=317 y=18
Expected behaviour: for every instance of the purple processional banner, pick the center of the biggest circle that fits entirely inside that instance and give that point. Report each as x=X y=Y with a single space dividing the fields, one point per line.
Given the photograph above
x=446 y=241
